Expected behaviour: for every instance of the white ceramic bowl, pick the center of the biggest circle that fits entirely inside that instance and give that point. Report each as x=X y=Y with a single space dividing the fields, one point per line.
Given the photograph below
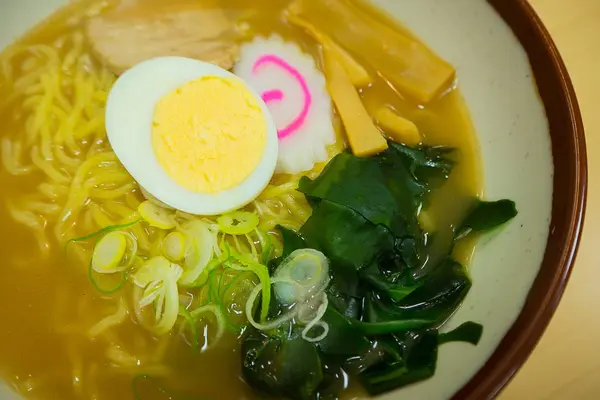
x=517 y=139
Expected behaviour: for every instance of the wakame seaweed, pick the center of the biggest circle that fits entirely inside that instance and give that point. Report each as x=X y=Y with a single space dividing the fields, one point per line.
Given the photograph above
x=384 y=309
x=486 y=216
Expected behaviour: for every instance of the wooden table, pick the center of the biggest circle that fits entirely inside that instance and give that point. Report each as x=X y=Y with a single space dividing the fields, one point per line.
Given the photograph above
x=566 y=363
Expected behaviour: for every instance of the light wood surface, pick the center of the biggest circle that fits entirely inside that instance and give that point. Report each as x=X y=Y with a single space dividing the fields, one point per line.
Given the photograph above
x=566 y=363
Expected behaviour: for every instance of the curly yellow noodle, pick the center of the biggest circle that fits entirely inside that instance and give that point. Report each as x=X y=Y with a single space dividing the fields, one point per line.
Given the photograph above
x=253 y=247
x=87 y=221
x=63 y=158
x=23 y=84
x=59 y=114
x=32 y=102
x=110 y=321
x=43 y=243
x=41 y=207
x=28 y=65
x=35 y=222
x=89 y=128
x=123 y=212
x=78 y=194
x=99 y=216
x=142 y=238
x=295 y=208
x=104 y=178
x=47 y=167
x=270 y=224
x=77 y=43
x=61 y=99
x=273 y=191
x=11 y=158
x=111 y=194
x=62 y=105
x=40 y=125
x=35 y=51
x=53 y=191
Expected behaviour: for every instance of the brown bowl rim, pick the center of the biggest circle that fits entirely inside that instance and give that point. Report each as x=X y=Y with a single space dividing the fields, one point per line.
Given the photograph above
x=568 y=202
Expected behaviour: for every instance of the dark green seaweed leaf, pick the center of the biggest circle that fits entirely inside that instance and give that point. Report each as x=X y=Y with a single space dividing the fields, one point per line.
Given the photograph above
x=345 y=236
x=356 y=183
x=391 y=348
x=414 y=357
x=350 y=328
x=350 y=306
x=486 y=216
x=281 y=365
x=385 y=190
x=390 y=326
x=411 y=175
x=469 y=332
x=348 y=240
x=419 y=358
x=335 y=380
x=411 y=250
x=440 y=293
x=394 y=291
x=429 y=165
x=344 y=338
x=292 y=241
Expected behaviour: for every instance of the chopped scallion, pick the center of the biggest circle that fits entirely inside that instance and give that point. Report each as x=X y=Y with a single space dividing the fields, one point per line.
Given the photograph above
x=156 y=216
x=238 y=222
x=174 y=246
x=92 y=275
x=103 y=231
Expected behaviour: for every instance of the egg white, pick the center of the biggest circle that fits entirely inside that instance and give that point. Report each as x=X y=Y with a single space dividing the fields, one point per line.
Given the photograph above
x=129 y=114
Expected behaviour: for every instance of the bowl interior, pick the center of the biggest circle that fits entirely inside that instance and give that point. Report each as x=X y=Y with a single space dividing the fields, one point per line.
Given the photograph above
x=498 y=86
x=497 y=82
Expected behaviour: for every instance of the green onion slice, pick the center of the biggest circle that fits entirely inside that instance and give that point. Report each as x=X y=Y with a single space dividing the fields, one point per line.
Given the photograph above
x=216 y=311
x=309 y=269
x=238 y=222
x=114 y=252
x=200 y=249
x=158 y=277
x=242 y=263
x=192 y=324
x=266 y=246
x=174 y=246
x=156 y=216
x=103 y=231
x=95 y=277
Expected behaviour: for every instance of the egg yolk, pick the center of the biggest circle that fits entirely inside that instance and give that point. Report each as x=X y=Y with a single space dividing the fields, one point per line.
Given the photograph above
x=209 y=134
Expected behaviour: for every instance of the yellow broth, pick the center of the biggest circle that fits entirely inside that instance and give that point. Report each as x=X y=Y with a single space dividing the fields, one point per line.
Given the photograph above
x=49 y=304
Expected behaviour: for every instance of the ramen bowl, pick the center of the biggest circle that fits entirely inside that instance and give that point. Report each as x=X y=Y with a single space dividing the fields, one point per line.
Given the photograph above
x=530 y=134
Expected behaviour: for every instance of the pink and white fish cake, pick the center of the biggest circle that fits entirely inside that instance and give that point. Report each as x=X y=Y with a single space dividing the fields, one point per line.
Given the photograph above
x=295 y=92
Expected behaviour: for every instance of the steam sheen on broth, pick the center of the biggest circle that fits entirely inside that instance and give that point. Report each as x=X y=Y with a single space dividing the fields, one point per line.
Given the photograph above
x=63 y=339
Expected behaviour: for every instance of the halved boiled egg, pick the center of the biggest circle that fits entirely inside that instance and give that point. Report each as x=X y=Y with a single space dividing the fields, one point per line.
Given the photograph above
x=193 y=135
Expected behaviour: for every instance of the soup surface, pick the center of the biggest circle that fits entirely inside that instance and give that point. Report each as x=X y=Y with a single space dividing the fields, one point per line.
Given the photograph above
x=66 y=336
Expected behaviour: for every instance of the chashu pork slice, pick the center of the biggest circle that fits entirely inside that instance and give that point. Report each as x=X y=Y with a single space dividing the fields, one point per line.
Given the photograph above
x=138 y=30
